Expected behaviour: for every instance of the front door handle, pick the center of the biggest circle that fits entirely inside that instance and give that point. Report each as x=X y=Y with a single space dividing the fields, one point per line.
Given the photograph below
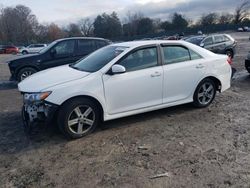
x=200 y=66
x=156 y=74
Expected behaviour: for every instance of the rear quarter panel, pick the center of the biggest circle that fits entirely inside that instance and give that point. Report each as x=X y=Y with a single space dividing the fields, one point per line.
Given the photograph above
x=219 y=68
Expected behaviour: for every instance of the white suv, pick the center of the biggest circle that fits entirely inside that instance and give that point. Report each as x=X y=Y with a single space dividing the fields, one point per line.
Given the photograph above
x=33 y=48
x=121 y=80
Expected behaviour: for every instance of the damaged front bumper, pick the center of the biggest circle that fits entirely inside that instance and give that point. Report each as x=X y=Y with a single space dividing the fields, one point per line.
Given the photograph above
x=38 y=112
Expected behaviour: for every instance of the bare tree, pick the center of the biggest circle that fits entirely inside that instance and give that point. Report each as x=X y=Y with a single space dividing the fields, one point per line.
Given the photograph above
x=73 y=30
x=209 y=19
x=226 y=18
x=131 y=23
x=17 y=25
x=86 y=27
x=242 y=12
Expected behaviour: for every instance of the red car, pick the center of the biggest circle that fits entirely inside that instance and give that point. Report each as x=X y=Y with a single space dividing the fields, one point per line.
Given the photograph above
x=8 y=49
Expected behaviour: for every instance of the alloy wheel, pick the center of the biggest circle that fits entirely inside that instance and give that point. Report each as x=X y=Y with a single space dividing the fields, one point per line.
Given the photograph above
x=206 y=93
x=81 y=119
x=26 y=74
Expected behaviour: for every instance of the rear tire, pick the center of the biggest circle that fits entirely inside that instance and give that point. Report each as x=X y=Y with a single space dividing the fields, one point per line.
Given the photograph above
x=78 y=117
x=204 y=93
x=25 y=72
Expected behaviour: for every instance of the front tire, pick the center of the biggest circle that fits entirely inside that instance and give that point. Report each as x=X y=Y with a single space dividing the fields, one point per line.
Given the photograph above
x=78 y=117
x=204 y=93
x=25 y=72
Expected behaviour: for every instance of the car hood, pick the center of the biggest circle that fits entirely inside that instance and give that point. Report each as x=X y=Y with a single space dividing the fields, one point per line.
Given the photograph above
x=50 y=77
x=28 y=56
x=24 y=58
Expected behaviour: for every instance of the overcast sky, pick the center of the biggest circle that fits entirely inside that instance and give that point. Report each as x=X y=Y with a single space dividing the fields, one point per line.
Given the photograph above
x=65 y=11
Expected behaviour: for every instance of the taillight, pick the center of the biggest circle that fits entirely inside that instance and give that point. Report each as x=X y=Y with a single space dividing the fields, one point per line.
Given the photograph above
x=229 y=60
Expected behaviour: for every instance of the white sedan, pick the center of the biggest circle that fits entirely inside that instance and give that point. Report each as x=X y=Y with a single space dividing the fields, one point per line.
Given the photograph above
x=122 y=80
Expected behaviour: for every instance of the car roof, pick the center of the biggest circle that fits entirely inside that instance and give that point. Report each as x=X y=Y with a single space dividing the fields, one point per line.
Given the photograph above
x=78 y=38
x=136 y=44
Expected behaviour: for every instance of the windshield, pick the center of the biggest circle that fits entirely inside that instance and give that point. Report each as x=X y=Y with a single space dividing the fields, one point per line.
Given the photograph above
x=98 y=59
x=47 y=47
x=195 y=40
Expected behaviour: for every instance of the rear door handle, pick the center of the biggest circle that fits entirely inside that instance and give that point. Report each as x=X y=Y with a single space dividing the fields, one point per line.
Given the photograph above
x=200 y=66
x=156 y=74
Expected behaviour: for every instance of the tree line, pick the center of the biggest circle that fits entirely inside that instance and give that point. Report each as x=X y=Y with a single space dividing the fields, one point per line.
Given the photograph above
x=18 y=25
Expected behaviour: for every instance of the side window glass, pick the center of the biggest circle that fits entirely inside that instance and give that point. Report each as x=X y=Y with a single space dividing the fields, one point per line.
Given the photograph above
x=101 y=44
x=175 y=54
x=140 y=59
x=85 y=47
x=218 y=39
x=194 y=55
x=226 y=38
x=65 y=47
x=208 y=41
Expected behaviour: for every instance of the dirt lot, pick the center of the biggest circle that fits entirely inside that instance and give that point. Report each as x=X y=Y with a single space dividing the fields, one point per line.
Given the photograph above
x=196 y=147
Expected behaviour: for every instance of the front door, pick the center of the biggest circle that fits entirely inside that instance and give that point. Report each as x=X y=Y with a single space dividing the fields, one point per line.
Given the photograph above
x=139 y=87
x=61 y=54
x=209 y=44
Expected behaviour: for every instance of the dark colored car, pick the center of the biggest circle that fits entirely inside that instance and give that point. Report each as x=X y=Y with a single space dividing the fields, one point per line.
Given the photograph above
x=8 y=49
x=247 y=62
x=217 y=43
x=59 y=52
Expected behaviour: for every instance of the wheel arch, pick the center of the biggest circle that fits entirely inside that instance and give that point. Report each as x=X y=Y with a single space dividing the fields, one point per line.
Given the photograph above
x=215 y=80
x=231 y=50
x=96 y=101
x=23 y=67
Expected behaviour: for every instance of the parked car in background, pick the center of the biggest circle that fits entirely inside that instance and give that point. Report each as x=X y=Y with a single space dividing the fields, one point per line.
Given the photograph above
x=243 y=29
x=1 y=49
x=240 y=29
x=8 y=49
x=247 y=62
x=59 y=52
x=217 y=43
x=121 y=80
x=20 y=48
x=33 y=48
x=246 y=28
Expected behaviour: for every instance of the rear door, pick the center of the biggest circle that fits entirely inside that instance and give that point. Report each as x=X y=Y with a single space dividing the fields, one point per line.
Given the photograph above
x=219 y=44
x=85 y=47
x=183 y=68
x=101 y=43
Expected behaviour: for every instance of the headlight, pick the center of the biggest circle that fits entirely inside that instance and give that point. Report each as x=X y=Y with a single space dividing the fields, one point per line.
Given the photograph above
x=35 y=97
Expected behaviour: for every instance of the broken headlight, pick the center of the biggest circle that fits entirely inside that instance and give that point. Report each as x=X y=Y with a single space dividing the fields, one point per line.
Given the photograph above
x=35 y=97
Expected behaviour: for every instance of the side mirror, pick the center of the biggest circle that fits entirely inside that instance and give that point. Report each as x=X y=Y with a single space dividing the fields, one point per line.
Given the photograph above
x=202 y=45
x=118 y=69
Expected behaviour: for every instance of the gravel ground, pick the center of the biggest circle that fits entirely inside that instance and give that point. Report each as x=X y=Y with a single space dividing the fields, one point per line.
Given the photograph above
x=192 y=147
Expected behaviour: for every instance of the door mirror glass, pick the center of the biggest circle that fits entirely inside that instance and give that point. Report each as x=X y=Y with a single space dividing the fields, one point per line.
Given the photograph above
x=202 y=45
x=118 y=69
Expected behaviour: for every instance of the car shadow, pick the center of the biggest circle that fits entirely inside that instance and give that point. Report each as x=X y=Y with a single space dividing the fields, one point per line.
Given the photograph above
x=15 y=140
x=6 y=85
x=140 y=118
